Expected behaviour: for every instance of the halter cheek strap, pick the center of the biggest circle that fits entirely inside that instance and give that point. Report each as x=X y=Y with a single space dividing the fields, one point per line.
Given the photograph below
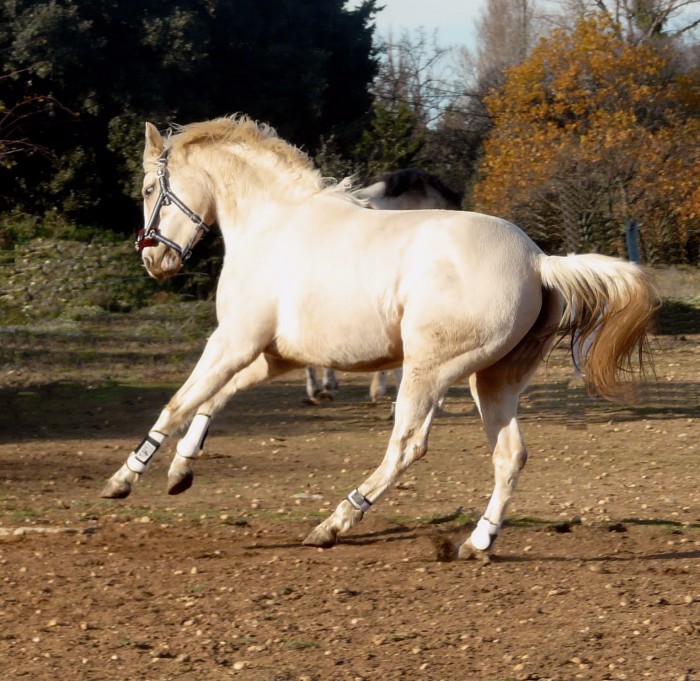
x=150 y=235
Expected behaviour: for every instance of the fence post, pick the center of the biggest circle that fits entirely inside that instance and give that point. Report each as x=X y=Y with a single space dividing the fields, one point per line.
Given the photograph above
x=632 y=235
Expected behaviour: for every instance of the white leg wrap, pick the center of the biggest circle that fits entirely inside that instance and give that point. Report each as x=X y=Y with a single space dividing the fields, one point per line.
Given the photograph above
x=190 y=445
x=483 y=534
x=140 y=458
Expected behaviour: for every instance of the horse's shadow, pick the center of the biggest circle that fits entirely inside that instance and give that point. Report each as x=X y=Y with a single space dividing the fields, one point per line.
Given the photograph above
x=405 y=533
x=529 y=558
x=392 y=534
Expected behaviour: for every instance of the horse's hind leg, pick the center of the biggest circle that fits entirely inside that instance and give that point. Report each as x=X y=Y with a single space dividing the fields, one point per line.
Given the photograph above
x=415 y=406
x=497 y=399
x=180 y=474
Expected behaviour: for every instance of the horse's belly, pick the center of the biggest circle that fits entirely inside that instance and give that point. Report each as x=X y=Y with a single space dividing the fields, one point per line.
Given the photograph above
x=353 y=342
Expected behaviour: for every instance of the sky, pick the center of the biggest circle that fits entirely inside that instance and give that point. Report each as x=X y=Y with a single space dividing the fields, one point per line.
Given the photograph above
x=453 y=19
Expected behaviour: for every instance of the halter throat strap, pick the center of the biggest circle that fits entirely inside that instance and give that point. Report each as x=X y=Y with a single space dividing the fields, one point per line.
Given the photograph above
x=150 y=235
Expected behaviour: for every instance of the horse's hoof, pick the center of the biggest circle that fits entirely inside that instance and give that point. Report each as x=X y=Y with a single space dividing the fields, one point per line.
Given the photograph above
x=468 y=552
x=177 y=484
x=116 y=489
x=326 y=396
x=313 y=401
x=321 y=538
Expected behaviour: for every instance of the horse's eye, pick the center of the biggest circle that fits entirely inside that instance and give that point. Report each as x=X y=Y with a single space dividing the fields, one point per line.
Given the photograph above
x=148 y=191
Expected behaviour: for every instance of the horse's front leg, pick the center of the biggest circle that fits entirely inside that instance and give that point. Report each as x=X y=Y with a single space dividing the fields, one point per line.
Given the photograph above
x=415 y=407
x=180 y=474
x=218 y=363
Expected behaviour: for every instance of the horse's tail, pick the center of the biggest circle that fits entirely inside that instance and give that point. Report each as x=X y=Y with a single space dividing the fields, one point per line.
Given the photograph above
x=607 y=301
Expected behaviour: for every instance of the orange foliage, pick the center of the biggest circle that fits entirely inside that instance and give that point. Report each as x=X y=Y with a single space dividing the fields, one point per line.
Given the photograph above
x=591 y=131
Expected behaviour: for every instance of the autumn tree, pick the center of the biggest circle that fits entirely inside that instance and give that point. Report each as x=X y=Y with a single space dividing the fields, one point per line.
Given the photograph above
x=590 y=132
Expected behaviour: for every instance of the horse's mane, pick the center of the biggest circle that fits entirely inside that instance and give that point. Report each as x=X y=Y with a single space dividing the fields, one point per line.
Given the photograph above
x=239 y=129
x=244 y=131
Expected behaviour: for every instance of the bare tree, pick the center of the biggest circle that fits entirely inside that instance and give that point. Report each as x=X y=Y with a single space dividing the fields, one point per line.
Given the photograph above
x=507 y=30
x=415 y=72
x=643 y=20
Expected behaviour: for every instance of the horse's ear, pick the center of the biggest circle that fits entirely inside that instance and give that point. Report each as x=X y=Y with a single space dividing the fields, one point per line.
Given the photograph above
x=154 y=143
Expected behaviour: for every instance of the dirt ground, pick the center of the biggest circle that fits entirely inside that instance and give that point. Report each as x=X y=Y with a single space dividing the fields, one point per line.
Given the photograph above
x=596 y=575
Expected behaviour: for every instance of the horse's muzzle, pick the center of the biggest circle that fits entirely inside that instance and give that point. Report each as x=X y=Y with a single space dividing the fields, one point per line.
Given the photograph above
x=161 y=263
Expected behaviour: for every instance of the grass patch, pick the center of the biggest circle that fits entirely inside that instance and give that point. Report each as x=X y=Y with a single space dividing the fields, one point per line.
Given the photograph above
x=20 y=514
x=526 y=521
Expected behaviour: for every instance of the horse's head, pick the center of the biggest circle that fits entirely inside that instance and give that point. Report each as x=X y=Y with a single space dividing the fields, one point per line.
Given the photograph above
x=177 y=206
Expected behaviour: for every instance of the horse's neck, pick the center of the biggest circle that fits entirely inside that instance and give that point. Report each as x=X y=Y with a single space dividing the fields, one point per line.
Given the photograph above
x=263 y=171
x=254 y=189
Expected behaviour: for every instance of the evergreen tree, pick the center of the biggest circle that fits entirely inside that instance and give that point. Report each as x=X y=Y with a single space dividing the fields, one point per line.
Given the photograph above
x=95 y=70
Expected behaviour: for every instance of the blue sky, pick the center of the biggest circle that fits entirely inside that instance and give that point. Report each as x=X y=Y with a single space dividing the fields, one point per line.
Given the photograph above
x=453 y=19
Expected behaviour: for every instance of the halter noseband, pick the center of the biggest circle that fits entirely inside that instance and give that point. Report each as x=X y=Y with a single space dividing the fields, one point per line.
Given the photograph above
x=150 y=235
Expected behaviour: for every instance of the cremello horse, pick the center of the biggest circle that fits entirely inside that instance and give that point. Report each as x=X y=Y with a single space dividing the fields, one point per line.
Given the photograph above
x=405 y=189
x=447 y=294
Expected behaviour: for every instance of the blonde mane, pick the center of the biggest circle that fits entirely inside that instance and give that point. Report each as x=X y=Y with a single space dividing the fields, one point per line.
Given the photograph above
x=242 y=130
x=253 y=137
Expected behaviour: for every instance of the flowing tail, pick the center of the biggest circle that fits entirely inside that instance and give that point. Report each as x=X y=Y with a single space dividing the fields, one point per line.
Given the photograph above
x=607 y=301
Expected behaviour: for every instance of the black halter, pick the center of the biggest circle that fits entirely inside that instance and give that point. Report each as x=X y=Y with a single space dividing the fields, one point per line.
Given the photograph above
x=150 y=235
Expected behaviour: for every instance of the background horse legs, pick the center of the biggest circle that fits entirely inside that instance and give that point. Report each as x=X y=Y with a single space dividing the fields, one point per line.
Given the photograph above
x=377 y=387
x=318 y=391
